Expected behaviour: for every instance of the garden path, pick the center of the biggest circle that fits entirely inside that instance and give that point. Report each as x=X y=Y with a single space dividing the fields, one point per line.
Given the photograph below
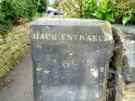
x=21 y=89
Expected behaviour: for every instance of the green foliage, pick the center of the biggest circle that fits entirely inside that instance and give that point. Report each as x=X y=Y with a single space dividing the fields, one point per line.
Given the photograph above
x=37 y=15
x=14 y=12
x=55 y=4
x=125 y=11
x=126 y=19
x=42 y=5
x=31 y=8
x=71 y=8
x=114 y=11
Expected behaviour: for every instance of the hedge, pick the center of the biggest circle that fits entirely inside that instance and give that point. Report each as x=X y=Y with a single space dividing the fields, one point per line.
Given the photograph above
x=15 y=12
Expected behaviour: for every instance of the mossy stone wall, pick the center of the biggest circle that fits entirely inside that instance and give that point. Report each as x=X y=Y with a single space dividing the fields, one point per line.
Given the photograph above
x=13 y=46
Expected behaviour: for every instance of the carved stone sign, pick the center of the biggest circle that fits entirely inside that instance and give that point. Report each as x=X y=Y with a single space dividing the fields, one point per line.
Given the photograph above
x=70 y=59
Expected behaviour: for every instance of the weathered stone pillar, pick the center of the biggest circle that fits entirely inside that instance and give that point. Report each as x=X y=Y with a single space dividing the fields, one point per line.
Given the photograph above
x=124 y=61
x=70 y=59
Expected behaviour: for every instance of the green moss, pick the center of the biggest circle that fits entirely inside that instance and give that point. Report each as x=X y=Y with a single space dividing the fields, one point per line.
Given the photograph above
x=4 y=70
x=1 y=62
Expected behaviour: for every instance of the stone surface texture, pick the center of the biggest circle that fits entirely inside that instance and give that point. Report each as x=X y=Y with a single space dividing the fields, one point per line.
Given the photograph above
x=125 y=78
x=129 y=53
x=70 y=59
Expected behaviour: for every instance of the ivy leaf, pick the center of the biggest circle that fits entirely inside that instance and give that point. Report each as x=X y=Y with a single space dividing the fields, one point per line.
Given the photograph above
x=110 y=18
x=98 y=15
x=1 y=16
x=126 y=19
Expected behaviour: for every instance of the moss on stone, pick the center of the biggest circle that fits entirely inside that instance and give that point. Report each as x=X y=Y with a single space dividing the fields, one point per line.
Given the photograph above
x=4 y=70
x=1 y=62
x=17 y=56
x=118 y=57
x=4 y=48
x=124 y=92
x=7 y=57
x=11 y=49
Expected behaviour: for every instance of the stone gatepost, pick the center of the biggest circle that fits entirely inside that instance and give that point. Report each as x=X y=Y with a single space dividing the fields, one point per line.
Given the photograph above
x=70 y=59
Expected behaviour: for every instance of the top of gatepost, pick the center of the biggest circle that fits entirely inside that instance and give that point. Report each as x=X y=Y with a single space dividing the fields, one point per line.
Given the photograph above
x=69 y=22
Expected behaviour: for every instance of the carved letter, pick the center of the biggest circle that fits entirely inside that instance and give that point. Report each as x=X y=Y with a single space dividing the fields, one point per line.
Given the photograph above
x=69 y=37
x=82 y=37
x=48 y=36
x=53 y=37
x=42 y=36
x=63 y=36
x=89 y=37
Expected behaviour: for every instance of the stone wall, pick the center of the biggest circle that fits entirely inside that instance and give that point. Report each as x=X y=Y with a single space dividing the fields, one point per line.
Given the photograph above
x=125 y=78
x=13 y=46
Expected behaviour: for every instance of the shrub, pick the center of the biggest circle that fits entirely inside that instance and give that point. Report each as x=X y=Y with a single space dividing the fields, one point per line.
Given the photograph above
x=71 y=8
x=56 y=4
x=124 y=11
x=114 y=11
x=11 y=11
x=31 y=7
x=42 y=6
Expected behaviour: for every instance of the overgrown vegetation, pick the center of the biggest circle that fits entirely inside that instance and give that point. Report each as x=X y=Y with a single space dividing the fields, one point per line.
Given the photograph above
x=56 y=3
x=114 y=11
x=15 y=12
x=42 y=6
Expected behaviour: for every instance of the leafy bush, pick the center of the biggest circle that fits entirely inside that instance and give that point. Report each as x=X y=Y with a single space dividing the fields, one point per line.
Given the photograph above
x=42 y=5
x=37 y=15
x=114 y=11
x=12 y=12
x=124 y=11
x=56 y=4
x=31 y=8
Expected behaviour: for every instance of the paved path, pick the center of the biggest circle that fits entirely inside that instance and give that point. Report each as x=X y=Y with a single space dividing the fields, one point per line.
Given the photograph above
x=21 y=88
